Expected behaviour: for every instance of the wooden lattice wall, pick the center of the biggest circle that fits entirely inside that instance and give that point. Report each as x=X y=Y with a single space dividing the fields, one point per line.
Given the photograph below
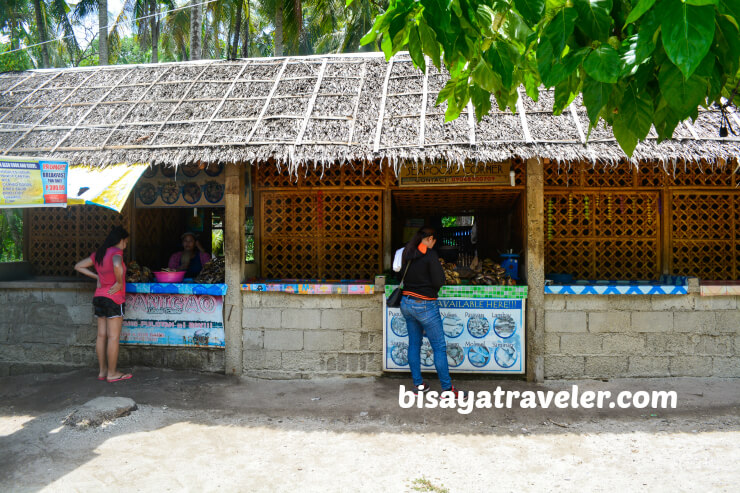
x=58 y=238
x=321 y=227
x=682 y=222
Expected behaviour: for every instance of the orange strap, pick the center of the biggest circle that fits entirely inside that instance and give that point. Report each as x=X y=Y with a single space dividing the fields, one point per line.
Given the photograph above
x=415 y=295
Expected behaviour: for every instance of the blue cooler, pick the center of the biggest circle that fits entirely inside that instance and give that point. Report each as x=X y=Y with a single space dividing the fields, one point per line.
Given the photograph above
x=510 y=263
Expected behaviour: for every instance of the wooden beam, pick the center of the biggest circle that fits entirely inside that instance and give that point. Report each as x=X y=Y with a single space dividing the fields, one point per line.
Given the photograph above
x=381 y=112
x=311 y=102
x=234 y=243
x=535 y=265
x=267 y=101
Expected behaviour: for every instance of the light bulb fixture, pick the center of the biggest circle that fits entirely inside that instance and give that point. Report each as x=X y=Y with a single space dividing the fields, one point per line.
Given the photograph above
x=512 y=178
x=195 y=212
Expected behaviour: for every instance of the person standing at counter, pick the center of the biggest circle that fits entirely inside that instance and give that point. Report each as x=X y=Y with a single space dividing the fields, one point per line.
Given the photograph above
x=192 y=258
x=424 y=276
x=108 y=300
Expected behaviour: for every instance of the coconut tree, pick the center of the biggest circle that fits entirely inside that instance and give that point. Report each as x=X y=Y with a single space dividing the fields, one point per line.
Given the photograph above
x=196 y=29
x=41 y=27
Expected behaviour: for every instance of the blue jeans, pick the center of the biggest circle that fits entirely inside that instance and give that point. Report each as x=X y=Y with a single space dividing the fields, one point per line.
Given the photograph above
x=423 y=316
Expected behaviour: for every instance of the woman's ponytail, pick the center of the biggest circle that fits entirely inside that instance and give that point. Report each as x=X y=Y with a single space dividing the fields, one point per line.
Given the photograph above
x=116 y=234
x=415 y=240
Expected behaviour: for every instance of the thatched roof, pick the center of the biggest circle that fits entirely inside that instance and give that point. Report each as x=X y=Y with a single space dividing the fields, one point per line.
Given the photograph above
x=319 y=109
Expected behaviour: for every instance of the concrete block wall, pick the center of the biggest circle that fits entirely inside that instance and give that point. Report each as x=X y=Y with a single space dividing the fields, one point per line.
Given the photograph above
x=52 y=329
x=590 y=336
x=305 y=336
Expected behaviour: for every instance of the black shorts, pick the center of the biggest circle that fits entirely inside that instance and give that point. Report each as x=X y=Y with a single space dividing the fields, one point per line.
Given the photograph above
x=107 y=308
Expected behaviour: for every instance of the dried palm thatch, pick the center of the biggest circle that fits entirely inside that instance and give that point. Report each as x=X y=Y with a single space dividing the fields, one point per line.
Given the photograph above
x=320 y=110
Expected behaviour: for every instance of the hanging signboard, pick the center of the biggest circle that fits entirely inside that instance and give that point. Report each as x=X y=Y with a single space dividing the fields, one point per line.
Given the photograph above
x=32 y=182
x=173 y=320
x=482 y=335
x=185 y=186
x=414 y=175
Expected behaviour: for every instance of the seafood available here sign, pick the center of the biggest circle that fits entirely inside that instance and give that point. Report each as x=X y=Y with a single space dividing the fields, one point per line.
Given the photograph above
x=173 y=320
x=483 y=336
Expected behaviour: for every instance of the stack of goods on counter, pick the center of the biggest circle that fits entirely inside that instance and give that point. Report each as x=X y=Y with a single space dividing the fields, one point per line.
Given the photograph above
x=136 y=273
x=485 y=273
x=452 y=276
x=214 y=272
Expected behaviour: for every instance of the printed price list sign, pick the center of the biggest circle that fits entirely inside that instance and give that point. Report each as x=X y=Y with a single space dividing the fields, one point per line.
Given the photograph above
x=32 y=182
x=482 y=335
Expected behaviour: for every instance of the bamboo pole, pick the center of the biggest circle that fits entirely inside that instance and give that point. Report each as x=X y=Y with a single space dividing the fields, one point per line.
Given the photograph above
x=234 y=243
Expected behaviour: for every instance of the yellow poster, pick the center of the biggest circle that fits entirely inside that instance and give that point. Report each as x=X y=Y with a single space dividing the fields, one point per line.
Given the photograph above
x=107 y=187
x=32 y=182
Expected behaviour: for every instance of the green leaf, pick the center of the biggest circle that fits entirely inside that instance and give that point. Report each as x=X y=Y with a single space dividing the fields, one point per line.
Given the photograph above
x=517 y=29
x=429 y=43
x=595 y=97
x=683 y=95
x=503 y=57
x=574 y=59
x=728 y=43
x=484 y=76
x=481 y=102
x=627 y=140
x=603 y=64
x=701 y=2
x=687 y=33
x=646 y=36
x=637 y=110
x=531 y=10
x=560 y=28
x=594 y=18
x=415 y=49
x=665 y=120
x=531 y=86
x=639 y=9
x=387 y=46
x=550 y=69
x=446 y=92
x=565 y=93
x=731 y=8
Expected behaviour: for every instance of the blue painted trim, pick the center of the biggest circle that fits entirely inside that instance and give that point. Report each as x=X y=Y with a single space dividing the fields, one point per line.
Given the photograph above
x=182 y=288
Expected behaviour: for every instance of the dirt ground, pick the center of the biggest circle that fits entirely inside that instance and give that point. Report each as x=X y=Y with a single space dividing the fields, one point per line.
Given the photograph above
x=204 y=432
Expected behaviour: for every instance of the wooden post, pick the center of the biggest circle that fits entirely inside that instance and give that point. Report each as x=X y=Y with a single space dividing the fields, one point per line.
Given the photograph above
x=234 y=250
x=387 y=225
x=535 y=265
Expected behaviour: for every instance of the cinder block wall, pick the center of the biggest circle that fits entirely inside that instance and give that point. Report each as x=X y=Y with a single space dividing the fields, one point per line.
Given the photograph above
x=45 y=329
x=641 y=336
x=305 y=336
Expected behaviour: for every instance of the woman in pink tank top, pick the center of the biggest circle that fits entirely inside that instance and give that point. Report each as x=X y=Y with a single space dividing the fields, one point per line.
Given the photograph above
x=108 y=301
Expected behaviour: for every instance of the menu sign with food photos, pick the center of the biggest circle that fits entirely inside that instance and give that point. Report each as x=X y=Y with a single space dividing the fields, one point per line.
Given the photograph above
x=192 y=185
x=482 y=335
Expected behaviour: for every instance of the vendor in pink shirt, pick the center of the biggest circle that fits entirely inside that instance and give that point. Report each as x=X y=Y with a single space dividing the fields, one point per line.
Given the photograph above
x=192 y=258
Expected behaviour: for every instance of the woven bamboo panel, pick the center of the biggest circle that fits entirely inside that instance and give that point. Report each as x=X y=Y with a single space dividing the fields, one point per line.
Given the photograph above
x=598 y=176
x=519 y=166
x=702 y=174
x=454 y=202
x=705 y=234
x=58 y=238
x=651 y=175
x=321 y=233
x=290 y=259
x=351 y=215
x=633 y=259
x=706 y=259
x=570 y=256
x=595 y=236
x=627 y=214
x=348 y=175
x=562 y=174
x=703 y=216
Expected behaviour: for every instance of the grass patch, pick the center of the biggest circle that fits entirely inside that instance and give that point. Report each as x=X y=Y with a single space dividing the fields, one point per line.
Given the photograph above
x=424 y=485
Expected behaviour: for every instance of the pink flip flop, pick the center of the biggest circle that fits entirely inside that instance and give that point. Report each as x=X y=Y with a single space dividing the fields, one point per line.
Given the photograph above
x=101 y=378
x=126 y=376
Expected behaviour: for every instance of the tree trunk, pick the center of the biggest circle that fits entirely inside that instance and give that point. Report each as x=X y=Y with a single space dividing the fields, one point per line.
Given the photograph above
x=228 y=39
x=103 y=32
x=41 y=26
x=279 y=29
x=155 y=30
x=245 y=41
x=237 y=29
x=206 y=37
x=196 y=25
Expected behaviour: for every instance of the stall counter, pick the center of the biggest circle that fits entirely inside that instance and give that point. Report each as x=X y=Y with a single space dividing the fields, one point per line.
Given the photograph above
x=484 y=327
x=183 y=314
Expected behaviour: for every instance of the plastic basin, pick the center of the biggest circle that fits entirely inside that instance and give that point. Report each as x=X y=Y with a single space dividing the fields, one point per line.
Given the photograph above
x=173 y=277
